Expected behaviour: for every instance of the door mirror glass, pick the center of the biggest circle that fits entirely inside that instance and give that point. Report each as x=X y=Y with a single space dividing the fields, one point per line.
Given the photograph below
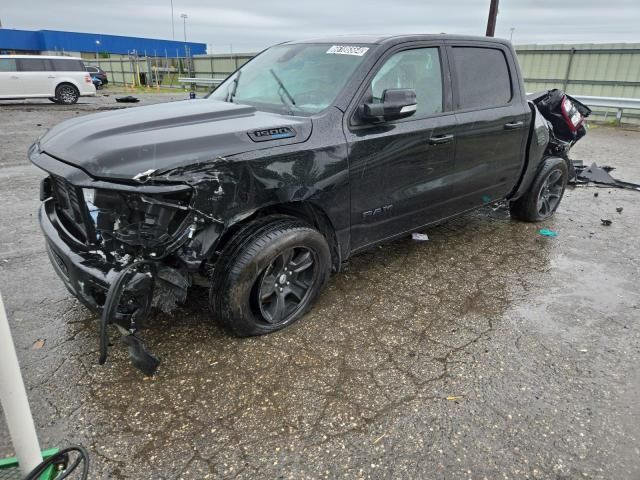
x=396 y=103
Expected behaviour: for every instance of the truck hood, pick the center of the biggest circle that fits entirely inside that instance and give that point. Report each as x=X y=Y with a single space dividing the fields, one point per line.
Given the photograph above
x=133 y=142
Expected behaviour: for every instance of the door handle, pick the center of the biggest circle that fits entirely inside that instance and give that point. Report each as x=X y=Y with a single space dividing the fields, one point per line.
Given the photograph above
x=513 y=125
x=441 y=139
x=15 y=77
x=51 y=76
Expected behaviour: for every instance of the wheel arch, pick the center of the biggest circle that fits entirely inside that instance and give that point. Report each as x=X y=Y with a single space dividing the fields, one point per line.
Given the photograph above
x=66 y=81
x=306 y=211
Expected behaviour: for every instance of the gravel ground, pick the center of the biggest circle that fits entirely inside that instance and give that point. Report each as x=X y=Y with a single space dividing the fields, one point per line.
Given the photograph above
x=488 y=351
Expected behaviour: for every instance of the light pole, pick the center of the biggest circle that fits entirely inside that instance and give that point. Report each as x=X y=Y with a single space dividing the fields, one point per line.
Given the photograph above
x=511 y=36
x=184 y=17
x=97 y=47
x=173 y=27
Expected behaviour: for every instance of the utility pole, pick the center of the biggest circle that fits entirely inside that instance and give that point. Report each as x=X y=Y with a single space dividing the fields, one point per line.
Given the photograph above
x=173 y=27
x=491 y=22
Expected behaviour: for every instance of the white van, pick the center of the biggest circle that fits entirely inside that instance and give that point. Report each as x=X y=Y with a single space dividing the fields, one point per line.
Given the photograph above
x=60 y=79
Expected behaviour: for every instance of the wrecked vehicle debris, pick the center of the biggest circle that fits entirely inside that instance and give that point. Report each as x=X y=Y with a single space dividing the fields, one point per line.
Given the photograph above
x=127 y=99
x=311 y=152
x=594 y=174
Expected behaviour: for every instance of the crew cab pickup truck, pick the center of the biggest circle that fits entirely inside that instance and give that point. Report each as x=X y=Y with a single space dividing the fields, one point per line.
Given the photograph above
x=309 y=153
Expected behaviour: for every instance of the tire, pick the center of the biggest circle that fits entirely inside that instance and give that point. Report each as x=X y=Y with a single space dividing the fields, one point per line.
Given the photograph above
x=269 y=276
x=545 y=193
x=67 y=94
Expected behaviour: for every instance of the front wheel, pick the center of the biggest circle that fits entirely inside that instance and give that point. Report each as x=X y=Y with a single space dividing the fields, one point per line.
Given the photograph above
x=545 y=193
x=270 y=276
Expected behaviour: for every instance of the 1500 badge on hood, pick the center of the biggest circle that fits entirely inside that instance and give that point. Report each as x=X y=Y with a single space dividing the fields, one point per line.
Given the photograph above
x=272 y=134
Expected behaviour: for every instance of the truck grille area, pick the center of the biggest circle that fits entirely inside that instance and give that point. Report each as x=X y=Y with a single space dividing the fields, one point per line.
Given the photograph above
x=121 y=222
x=70 y=207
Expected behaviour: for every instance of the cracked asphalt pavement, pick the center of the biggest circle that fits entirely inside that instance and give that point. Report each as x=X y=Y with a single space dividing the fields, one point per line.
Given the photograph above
x=488 y=351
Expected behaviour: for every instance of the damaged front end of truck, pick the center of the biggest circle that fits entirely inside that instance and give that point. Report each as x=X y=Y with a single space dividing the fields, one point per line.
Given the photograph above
x=123 y=248
x=133 y=203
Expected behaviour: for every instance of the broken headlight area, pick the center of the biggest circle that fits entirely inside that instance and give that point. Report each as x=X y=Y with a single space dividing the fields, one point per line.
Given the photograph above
x=137 y=223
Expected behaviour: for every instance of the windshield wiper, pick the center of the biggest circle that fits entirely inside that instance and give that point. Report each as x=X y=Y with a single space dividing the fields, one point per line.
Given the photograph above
x=282 y=91
x=232 y=92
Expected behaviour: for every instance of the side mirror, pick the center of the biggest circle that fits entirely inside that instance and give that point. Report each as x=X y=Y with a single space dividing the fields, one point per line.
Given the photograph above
x=396 y=103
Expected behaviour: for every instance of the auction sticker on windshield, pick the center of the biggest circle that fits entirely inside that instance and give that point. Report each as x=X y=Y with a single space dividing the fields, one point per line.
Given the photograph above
x=348 y=50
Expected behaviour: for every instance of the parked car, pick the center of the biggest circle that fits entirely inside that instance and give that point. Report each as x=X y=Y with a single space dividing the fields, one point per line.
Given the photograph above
x=60 y=79
x=97 y=72
x=308 y=154
x=97 y=82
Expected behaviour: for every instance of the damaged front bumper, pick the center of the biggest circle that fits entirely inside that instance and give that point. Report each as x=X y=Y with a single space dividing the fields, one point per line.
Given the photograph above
x=119 y=292
x=85 y=273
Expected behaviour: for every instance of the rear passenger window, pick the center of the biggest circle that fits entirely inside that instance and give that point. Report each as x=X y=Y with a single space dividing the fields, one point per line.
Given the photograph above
x=482 y=77
x=8 y=65
x=64 y=65
x=34 y=65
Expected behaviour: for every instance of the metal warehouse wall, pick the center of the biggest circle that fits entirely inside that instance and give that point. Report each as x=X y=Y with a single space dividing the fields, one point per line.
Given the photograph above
x=602 y=70
x=19 y=40
x=605 y=70
x=219 y=66
x=121 y=70
x=52 y=40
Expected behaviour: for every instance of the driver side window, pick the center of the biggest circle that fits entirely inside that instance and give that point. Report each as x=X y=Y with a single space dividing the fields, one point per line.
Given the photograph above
x=418 y=69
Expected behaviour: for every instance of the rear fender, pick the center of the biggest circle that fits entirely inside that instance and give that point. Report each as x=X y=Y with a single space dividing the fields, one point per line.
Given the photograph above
x=536 y=145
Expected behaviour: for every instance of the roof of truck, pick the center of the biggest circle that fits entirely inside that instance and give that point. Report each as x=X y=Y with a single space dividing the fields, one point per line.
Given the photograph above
x=392 y=39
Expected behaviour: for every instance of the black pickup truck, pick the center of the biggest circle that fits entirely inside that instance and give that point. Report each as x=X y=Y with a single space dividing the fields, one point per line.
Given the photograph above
x=309 y=153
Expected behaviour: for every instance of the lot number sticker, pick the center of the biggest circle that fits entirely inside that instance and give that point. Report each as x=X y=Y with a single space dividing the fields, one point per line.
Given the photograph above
x=348 y=50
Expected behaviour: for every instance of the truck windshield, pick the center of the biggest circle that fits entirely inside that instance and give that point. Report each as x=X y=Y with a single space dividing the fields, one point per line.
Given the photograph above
x=299 y=79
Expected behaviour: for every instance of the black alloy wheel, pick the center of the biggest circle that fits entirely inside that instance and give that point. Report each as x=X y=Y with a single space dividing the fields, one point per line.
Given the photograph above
x=269 y=275
x=550 y=194
x=285 y=284
x=542 y=198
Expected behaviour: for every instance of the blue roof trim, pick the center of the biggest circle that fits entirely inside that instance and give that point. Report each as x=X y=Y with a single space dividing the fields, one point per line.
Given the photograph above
x=88 y=42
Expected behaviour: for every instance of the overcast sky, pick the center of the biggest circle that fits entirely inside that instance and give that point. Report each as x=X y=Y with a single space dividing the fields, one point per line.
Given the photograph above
x=250 y=25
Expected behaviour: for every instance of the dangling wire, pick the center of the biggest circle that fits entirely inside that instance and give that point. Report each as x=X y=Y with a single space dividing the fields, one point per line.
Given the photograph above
x=61 y=458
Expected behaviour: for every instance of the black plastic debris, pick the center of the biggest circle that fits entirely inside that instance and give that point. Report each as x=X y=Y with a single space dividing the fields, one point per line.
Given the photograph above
x=606 y=222
x=127 y=99
x=596 y=174
x=619 y=209
x=583 y=175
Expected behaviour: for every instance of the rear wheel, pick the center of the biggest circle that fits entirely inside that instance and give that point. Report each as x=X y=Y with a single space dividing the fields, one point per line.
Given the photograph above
x=67 y=94
x=545 y=193
x=269 y=276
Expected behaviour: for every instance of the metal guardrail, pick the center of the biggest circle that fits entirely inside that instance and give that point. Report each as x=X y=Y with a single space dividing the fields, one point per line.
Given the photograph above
x=619 y=103
x=202 y=81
